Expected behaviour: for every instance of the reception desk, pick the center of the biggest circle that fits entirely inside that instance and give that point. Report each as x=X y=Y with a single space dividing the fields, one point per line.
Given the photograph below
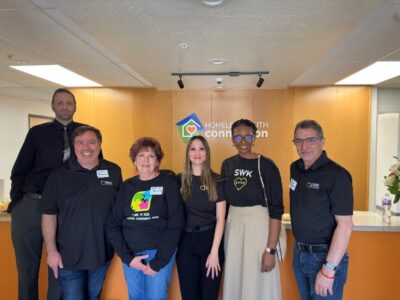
x=373 y=269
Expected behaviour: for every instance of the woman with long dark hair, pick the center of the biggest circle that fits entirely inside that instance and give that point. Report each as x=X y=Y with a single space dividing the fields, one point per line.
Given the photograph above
x=200 y=253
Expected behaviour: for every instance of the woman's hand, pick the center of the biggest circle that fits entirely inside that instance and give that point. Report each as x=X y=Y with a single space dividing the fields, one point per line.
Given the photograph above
x=137 y=263
x=267 y=262
x=149 y=271
x=212 y=265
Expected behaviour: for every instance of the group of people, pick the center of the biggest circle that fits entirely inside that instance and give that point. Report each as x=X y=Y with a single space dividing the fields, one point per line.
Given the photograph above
x=65 y=193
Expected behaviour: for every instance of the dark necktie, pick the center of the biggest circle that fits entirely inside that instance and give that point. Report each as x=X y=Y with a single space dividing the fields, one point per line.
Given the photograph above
x=67 y=150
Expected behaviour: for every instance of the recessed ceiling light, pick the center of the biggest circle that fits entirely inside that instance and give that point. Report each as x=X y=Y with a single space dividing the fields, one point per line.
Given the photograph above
x=373 y=74
x=184 y=46
x=217 y=61
x=213 y=2
x=57 y=74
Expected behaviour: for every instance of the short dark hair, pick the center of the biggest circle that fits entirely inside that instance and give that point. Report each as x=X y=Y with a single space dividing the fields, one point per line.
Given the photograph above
x=60 y=91
x=146 y=142
x=305 y=124
x=84 y=128
x=245 y=122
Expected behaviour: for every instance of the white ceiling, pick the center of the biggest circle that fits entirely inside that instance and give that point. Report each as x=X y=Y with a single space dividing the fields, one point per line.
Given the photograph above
x=135 y=43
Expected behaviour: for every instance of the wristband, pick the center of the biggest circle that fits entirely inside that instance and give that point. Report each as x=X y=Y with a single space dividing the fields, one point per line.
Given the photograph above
x=270 y=251
x=330 y=266
x=325 y=275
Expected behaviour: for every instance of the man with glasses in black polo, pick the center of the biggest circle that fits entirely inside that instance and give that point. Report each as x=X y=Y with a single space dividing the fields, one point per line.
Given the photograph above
x=321 y=209
x=46 y=147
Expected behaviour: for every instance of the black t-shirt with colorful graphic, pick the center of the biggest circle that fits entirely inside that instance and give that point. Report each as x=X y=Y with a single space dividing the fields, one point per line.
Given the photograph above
x=147 y=215
x=82 y=200
x=243 y=186
x=199 y=210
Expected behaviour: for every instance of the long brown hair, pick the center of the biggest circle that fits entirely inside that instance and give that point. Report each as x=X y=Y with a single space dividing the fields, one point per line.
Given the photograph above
x=207 y=175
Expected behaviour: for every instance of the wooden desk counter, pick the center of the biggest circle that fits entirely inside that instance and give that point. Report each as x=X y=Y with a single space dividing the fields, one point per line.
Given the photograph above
x=374 y=261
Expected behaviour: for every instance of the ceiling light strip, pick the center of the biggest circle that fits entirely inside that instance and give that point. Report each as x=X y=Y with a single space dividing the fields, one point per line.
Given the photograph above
x=373 y=74
x=57 y=74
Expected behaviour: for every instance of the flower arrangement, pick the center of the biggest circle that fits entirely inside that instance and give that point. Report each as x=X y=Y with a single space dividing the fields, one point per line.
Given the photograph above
x=392 y=181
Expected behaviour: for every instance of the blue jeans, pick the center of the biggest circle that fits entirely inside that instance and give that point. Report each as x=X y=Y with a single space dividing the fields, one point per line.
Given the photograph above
x=82 y=284
x=306 y=266
x=145 y=287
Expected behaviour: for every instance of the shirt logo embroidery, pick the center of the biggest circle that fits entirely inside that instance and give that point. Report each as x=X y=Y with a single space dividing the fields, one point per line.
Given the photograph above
x=203 y=187
x=106 y=182
x=141 y=201
x=312 y=185
x=240 y=182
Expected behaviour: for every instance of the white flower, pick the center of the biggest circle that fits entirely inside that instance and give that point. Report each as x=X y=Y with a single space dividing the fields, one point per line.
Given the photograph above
x=389 y=180
x=395 y=169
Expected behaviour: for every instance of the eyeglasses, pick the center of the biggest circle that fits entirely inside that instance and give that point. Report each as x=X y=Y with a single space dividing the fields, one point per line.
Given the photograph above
x=248 y=138
x=309 y=141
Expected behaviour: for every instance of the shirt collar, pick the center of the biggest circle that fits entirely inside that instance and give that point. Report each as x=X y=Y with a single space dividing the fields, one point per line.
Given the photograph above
x=61 y=126
x=321 y=161
x=74 y=165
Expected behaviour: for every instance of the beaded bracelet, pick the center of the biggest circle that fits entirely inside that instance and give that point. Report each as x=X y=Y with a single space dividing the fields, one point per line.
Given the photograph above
x=325 y=275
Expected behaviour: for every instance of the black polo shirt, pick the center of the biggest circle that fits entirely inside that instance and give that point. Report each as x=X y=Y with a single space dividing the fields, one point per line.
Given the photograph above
x=316 y=196
x=41 y=153
x=82 y=200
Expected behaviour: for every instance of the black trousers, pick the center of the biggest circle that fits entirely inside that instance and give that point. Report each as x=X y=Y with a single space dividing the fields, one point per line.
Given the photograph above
x=193 y=251
x=26 y=234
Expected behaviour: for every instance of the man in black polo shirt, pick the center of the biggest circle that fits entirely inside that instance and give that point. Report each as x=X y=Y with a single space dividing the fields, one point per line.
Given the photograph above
x=321 y=209
x=76 y=203
x=45 y=147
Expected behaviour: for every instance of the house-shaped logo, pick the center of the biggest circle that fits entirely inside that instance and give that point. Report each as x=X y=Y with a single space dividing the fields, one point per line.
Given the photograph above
x=189 y=127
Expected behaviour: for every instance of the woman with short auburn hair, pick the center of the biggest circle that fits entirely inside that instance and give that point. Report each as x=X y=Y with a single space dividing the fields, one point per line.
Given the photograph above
x=146 y=223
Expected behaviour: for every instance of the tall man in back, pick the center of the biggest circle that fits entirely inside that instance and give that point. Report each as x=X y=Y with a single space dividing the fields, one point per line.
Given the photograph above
x=45 y=148
x=321 y=209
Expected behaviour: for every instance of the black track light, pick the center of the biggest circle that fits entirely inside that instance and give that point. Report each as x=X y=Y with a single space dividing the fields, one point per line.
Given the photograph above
x=260 y=81
x=230 y=74
x=180 y=82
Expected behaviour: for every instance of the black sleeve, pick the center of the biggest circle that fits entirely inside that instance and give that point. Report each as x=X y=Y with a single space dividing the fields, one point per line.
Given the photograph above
x=220 y=189
x=223 y=169
x=273 y=185
x=115 y=235
x=119 y=178
x=169 y=242
x=23 y=164
x=48 y=203
x=341 y=193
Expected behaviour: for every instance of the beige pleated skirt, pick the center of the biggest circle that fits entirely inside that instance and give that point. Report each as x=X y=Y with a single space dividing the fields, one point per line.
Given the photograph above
x=246 y=235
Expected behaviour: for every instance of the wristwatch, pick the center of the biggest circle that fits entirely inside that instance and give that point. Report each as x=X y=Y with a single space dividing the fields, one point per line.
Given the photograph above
x=270 y=251
x=330 y=266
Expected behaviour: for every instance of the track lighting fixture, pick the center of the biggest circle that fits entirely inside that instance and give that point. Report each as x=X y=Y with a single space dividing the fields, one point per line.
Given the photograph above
x=180 y=82
x=231 y=74
x=260 y=81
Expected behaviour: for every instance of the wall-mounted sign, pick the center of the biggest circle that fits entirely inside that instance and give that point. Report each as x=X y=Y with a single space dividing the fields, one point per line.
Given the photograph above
x=191 y=126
